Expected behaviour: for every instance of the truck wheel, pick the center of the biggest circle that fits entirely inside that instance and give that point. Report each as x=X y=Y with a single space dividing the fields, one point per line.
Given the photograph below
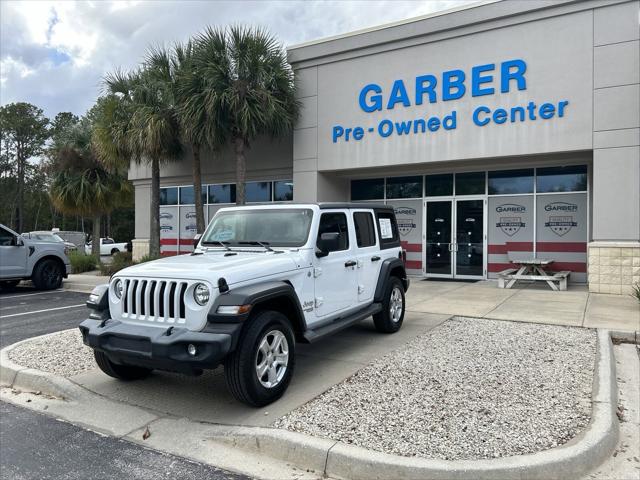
x=389 y=320
x=121 y=372
x=47 y=275
x=114 y=251
x=259 y=371
x=9 y=284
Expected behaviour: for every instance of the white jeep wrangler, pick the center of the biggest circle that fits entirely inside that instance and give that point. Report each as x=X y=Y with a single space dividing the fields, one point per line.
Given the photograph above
x=260 y=279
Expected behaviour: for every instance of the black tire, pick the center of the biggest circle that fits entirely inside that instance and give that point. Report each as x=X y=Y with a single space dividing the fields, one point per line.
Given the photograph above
x=9 y=284
x=114 y=251
x=240 y=368
x=121 y=372
x=47 y=274
x=384 y=321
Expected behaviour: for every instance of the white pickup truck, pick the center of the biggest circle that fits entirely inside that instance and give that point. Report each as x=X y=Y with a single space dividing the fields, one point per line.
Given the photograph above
x=107 y=247
x=261 y=279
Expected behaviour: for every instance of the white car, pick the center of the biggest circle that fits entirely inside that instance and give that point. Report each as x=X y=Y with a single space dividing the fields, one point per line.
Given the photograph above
x=260 y=279
x=107 y=247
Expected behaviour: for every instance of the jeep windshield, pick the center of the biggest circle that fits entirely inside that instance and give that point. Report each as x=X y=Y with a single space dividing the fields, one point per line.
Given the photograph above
x=281 y=227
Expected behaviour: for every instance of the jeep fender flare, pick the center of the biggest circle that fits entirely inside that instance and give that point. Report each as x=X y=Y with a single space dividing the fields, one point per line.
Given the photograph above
x=280 y=295
x=390 y=267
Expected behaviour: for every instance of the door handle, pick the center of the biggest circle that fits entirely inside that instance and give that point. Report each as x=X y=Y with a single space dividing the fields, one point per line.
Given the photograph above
x=375 y=259
x=350 y=263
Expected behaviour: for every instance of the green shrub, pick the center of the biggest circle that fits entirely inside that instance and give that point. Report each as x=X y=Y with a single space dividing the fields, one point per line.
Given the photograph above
x=81 y=262
x=147 y=258
x=636 y=291
x=120 y=260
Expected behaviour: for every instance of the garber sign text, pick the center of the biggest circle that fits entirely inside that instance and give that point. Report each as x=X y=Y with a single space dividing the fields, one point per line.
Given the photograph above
x=449 y=85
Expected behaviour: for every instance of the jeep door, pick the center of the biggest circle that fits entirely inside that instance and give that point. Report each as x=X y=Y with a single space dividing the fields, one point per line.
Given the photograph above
x=367 y=254
x=336 y=277
x=13 y=257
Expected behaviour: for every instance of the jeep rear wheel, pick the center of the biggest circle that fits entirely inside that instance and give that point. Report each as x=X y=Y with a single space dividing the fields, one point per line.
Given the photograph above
x=121 y=372
x=259 y=371
x=47 y=274
x=389 y=320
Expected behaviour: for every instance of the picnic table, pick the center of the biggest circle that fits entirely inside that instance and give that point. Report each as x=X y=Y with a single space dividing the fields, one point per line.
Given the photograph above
x=533 y=269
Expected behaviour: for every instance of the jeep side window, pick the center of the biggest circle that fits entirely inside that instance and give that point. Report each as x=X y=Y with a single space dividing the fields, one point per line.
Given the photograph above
x=6 y=238
x=388 y=230
x=365 y=232
x=335 y=223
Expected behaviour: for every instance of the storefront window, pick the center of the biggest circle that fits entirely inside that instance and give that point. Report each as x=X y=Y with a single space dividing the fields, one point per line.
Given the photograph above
x=188 y=198
x=258 y=191
x=562 y=179
x=369 y=189
x=404 y=187
x=511 y=182
x=470 y=183
x=225 y=193
x=438 y=185
x=283 y=191
x=169 y=196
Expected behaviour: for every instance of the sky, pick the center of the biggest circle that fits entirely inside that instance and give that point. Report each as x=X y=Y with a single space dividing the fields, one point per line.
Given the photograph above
x=54 y=54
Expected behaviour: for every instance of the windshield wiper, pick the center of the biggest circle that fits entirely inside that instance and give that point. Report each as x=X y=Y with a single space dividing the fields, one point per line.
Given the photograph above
x=264 y=245
x=217 y=242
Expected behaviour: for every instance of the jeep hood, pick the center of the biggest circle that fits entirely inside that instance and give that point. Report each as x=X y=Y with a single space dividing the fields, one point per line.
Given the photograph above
x=211 y=266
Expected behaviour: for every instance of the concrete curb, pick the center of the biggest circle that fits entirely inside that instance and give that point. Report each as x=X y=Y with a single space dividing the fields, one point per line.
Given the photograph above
x=586 y=451
x=335 y=459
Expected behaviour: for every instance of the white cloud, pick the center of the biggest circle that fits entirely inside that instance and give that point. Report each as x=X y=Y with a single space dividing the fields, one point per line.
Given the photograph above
x=55 y=53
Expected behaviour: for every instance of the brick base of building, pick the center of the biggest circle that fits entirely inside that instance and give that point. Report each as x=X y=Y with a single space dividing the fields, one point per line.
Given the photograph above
x=140 y=248
x=614 y=267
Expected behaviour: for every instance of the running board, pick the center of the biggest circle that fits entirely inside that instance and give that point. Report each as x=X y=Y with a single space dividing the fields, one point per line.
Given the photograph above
x=312 y=336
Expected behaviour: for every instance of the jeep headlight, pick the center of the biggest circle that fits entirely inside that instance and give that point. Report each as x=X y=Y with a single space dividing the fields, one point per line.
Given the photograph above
x=201 y=294
x=118 y=288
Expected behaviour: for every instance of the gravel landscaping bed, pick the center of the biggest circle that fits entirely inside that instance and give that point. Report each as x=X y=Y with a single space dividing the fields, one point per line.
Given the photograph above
x=62 y=353
x=469 y=389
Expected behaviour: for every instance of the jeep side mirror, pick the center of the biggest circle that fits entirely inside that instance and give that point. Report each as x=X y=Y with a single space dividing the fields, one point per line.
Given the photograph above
x=196 y=239
x=327 y=243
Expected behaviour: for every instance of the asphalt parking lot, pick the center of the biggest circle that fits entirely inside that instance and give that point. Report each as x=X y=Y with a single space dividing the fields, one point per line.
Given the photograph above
x=37 y=446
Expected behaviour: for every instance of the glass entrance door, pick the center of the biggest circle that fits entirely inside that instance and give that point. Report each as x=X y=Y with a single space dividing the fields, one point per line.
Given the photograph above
x=469 y=238
x=438 y=235
x=454 y=238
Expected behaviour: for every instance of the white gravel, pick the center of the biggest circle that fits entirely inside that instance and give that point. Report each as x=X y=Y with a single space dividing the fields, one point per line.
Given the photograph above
x=469 y=389
x=62 y=353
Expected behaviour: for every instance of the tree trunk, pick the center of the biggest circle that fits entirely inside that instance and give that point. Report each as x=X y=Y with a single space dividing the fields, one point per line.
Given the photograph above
x=197 y=188
x=20 y=194
x=154 y=219
x=241 y=170
x=95 y=241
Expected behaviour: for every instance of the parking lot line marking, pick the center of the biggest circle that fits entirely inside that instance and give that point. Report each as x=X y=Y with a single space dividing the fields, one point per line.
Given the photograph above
x=41 y=311
x=31 y=294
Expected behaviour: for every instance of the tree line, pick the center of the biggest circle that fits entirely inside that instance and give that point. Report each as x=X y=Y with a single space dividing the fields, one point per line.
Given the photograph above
x=224 y=86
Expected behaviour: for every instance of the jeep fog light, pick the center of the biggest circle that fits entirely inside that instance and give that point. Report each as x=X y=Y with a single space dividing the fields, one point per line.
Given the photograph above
x=192 y=350
x=201 y=294
x=118 y=288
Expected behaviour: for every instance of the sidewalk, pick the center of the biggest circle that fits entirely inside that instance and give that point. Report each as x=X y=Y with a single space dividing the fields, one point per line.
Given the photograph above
x=84 y=282
x=526 y=303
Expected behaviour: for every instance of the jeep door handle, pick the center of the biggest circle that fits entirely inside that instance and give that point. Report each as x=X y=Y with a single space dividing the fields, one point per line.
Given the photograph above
x=350 y=263
x=375 y=259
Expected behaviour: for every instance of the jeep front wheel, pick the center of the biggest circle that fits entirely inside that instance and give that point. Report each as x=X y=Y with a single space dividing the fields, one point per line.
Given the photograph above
x=389 y=320
x=259 y=371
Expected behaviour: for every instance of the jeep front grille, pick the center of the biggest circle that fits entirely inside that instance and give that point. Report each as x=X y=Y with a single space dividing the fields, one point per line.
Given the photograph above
x=154 y=300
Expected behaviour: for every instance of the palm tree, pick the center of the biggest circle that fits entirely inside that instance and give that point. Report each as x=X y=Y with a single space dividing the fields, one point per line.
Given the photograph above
x=246 y=88
x=139 y=123
x=81 y=185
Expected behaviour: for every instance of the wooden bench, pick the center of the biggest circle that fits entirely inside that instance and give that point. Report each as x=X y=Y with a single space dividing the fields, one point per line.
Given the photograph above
x=505 y=275
x=507 y=278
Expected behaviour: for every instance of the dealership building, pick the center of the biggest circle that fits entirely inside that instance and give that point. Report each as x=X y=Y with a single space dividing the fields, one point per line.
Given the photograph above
x=498 y=131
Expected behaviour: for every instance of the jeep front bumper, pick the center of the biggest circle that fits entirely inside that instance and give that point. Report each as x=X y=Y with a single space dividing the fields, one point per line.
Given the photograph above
x=157 y=348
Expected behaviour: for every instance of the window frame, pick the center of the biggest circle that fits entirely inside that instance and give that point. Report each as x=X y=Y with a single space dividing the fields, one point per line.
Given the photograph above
x=370 y=226
x=346 y=221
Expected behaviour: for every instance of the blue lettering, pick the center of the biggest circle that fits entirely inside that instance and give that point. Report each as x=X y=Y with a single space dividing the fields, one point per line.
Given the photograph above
x=433 y=124
x=398 y=95
x=448 y=84
x=499 y=116
x=375 y=101
x=476 y=116
x=426 y=84
x=449 y=122
x=561 y=106
x=385 y=128
x=477 y=79
x=419 y=122
x=507 y=74
x=403 y=127
x=338 y=131
x=358 y=133
x=547 y=110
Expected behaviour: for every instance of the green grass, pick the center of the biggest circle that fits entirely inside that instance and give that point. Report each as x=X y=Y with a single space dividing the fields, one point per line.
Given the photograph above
x=82 y=263
x=121 y=260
